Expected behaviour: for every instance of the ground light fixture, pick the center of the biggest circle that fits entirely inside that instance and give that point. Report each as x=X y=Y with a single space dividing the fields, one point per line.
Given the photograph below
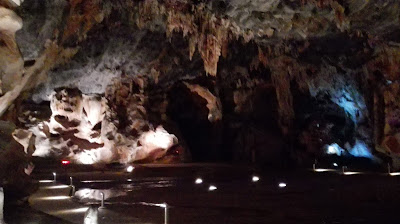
x=390 y=171
x=72 y=191
x=166 y=218
x=282 y=185
x=65 y=162
x=255 y=178
x=345 y=172
x=198 y=181
x=319 y=170
x=102 y=200
x=129 y=169
x=212 y=188
x=45 y=181
x=335 y=164
x=166 y=213
x=1 y=205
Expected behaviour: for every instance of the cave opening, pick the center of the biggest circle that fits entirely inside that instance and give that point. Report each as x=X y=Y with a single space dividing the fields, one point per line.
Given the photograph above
x=190 y=113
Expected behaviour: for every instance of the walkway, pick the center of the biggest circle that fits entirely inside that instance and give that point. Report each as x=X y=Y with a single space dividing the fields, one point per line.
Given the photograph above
x=53 y=199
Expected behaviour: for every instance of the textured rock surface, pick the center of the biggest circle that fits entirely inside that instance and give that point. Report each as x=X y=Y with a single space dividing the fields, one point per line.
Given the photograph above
x=15 y=163
x=12 y=64
x=283 y=79
x=94 y=129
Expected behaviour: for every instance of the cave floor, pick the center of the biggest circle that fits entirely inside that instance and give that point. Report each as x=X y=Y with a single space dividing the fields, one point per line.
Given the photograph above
x=329 y=198
x=24 y=214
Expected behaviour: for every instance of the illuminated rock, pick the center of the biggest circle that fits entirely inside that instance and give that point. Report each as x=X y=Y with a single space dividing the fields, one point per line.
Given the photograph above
x=332 y=63
x=23 y=137
x=15 y=3
x=359 y=149
x=11 y=62
x=213 y=103
x=91 y=129
x=10 y=22
x=87 y=195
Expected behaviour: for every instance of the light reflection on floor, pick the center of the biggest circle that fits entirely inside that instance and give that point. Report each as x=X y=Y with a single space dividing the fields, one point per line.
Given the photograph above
x=97 y=181
x=55 y=187
x=71 y=211
x=46 y=181
x=204 y=194
x=351 y=173
x=54 y=198
x=324 y=170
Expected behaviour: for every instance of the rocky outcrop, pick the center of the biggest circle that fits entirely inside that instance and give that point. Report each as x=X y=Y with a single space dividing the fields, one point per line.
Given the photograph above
x=213 y=71
x=100 y=129
x=213 y=103
x=12 y=64
x=15 y=162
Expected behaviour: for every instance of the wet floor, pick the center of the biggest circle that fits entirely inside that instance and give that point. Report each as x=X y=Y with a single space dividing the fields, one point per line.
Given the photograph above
x=24 y=214
x=308 y=197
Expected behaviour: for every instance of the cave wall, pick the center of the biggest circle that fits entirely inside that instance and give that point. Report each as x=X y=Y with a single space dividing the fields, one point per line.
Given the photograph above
x=273 y=82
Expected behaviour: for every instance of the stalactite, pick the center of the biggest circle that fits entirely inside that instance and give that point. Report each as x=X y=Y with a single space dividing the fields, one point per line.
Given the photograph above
x=284 y=70
x=262 y=57
x=206 y=32
x=149 y=10
x=192 y=46
x=335 y=5
x=210 y=50
x=281 y=81
x=83 y=15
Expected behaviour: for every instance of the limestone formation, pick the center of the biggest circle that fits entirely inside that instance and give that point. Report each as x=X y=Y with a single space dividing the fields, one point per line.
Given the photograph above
x=12 y=64
x=304 y=76
x=94 y=129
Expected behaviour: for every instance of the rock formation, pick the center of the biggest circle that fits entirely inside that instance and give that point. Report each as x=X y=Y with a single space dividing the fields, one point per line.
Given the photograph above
x=100 y=129
x=231 y=79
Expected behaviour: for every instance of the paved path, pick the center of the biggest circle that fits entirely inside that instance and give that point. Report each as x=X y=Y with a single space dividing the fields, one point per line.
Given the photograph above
x=53 y=199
